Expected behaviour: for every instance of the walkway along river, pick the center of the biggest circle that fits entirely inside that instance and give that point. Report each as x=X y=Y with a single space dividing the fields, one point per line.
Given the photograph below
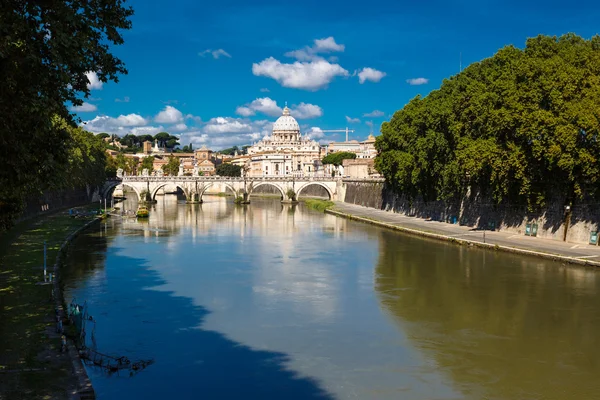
x=278 y=301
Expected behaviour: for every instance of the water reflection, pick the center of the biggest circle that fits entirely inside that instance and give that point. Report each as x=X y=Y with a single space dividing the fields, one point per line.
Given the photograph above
x=501 y=326
x=277 y=301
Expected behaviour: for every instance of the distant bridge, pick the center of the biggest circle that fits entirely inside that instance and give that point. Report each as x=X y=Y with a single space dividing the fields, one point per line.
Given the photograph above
x=194 y=187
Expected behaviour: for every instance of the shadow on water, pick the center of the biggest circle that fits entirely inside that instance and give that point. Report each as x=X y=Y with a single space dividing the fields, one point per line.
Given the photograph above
x=500 y=326
x=138 y=319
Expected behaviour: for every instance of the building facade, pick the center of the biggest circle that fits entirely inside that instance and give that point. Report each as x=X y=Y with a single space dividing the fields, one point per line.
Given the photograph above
x=285 y=152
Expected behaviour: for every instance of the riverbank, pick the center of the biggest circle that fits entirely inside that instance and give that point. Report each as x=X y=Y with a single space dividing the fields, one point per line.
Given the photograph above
x=551 y=249
x=31 y=364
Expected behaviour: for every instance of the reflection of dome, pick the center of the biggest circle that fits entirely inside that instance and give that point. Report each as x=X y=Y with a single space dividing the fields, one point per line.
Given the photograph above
x=286 y=123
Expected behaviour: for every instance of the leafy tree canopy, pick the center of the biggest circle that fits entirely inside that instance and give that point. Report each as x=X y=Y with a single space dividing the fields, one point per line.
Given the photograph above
x=147 y=163
x=47 y=51
x=518 y=126
x=338 y=157
x=172 y=166
x=229 y=170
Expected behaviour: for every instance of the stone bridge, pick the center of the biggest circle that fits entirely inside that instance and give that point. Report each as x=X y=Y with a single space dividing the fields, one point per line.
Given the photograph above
x=194 y=187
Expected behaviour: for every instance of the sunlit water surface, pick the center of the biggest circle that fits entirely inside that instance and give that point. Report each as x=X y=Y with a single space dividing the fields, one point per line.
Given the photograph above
x=273 y=301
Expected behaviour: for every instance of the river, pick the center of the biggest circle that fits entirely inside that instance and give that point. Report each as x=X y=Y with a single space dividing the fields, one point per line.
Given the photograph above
x=272 y=301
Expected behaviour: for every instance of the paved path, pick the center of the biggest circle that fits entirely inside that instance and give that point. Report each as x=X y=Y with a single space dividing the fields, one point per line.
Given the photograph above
x=574 y=250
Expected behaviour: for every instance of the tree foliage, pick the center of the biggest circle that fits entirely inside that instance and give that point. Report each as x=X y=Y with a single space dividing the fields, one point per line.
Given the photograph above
x=147 y=163
x=338 y=157
x=172 y=166
x=47 y=48
x=518 y=126
x=229 y=170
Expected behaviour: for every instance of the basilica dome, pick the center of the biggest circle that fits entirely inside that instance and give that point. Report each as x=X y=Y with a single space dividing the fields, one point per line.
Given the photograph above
x=286 y=123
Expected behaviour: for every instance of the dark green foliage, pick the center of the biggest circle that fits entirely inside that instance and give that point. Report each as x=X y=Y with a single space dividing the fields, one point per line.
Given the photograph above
x=230 y=151
x=46 y=49
x=229 y=170
x=517 y=126
x=337 y=158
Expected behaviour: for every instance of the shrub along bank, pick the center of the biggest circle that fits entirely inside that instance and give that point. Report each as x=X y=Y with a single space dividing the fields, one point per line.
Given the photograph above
x=319 y=205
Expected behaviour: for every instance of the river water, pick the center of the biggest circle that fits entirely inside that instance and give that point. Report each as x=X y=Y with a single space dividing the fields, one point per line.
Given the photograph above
x=272 y=301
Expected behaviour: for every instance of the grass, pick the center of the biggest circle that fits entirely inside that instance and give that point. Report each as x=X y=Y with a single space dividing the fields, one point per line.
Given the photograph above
x=319 y=205
x=31 y=365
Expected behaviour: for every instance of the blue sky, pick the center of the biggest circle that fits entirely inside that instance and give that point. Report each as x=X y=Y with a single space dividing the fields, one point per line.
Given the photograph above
x=218 y=73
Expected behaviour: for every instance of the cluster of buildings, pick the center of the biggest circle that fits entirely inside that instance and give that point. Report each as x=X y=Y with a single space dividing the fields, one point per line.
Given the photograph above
x=284 y=152
x=287 y=152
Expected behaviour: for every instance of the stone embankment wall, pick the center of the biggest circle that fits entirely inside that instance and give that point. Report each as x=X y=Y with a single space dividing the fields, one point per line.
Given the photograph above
x=52 y=200
x=480 y=212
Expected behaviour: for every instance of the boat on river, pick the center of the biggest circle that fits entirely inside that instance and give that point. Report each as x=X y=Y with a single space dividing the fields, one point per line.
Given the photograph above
x=142 y=212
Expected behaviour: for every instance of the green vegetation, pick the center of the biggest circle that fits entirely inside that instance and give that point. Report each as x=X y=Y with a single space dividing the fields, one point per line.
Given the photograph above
x=147 y=163
x=519 y=127
x=172 y=166
x=319 y=205
x=291 y=194
x=45 y=62
x=27 y=310
x=337 y=158
x=229 y=170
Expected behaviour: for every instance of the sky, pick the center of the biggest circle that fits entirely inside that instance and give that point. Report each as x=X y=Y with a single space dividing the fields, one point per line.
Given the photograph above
x=219 y=73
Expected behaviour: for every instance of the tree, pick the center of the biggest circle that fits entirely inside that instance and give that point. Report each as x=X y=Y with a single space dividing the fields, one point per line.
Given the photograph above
x=338 y=157
x=520 y=126
x=229 y=170
x=48 y=52
x=229 y=151
x=171 y=167
x=148 y=163
x=103 y=135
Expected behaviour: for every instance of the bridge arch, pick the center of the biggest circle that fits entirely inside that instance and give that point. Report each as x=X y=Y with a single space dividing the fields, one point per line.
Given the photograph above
x=227 y=185
x=281 y=190
x=162 y=185
x=110 y=186
x=307 y=184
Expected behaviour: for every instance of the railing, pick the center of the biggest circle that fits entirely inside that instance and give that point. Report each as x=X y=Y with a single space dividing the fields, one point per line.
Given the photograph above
x=139 y=178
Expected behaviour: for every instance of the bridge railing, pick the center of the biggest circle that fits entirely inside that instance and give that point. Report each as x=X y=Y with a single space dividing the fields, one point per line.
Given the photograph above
x=138 y=178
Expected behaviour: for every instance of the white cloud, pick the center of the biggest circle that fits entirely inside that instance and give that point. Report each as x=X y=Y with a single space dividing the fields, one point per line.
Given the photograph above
x=193 y=118
x=417 y=81
x=311 y=76
x=130 y=120
x=120 y=125
x=146 y=130
x=328 y=45
x=85 y=107
x=268 y=106
x=307 y=53
x=369 y=123
x=263 y=105
x=222 y=125
x=370 y=74
x=374 y=114
x=244 y=111
x=315 y=133
x=306 y=111
x=123 y=100
x=94 y=82
x=179 y=127
x=215 y=53
x=352 y=120
x=264 y=90
x=170 y=115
